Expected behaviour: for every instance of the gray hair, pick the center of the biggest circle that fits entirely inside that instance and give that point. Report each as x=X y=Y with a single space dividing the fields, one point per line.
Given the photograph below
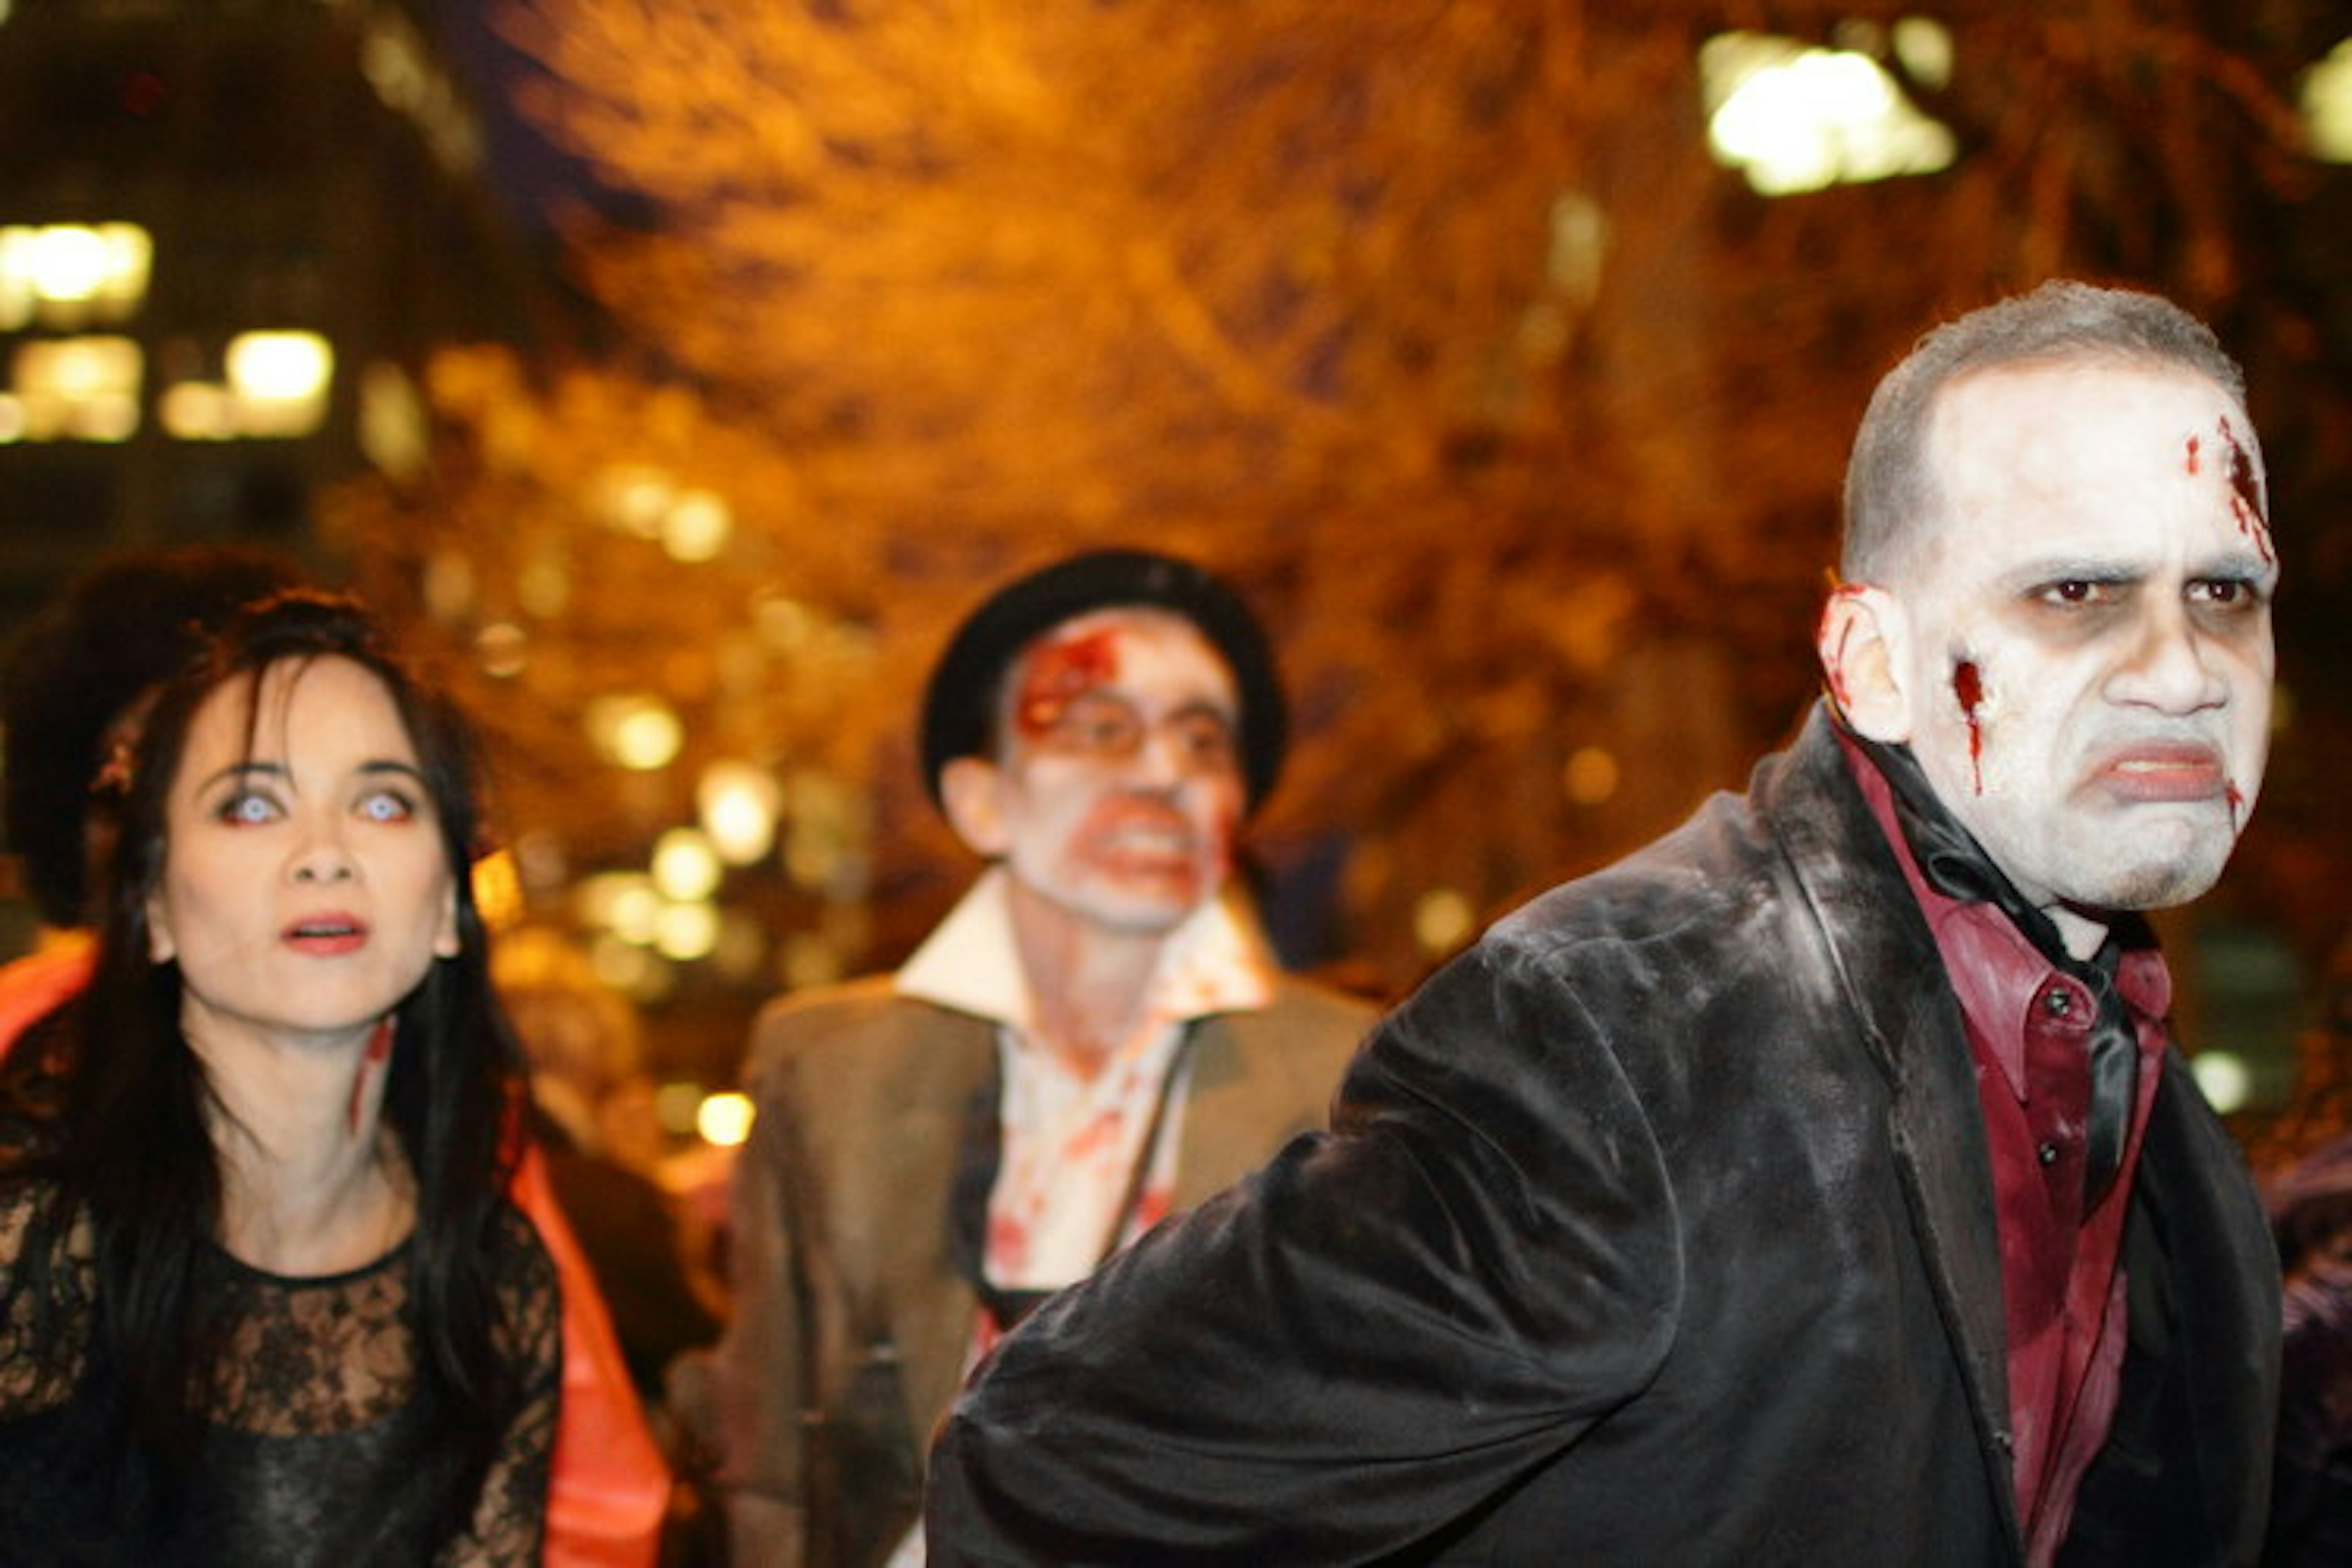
x=1892 y=495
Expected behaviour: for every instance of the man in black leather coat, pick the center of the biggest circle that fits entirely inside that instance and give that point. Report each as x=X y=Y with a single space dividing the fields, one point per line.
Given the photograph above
x=1820 y=1185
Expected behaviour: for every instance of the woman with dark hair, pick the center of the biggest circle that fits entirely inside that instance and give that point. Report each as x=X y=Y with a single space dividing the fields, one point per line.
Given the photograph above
x=262 y=1299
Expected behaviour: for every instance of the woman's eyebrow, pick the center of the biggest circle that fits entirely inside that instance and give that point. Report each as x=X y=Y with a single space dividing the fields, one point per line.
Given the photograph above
x=245 y=769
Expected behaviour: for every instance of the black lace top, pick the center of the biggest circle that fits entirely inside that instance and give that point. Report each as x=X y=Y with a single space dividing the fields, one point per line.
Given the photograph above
x=317 y=1444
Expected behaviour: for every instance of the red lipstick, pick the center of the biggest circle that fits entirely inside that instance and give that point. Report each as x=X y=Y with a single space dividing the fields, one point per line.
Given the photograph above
x=327 y=935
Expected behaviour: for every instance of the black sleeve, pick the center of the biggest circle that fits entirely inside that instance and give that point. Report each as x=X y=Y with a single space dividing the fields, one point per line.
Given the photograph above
x=1362 y=1342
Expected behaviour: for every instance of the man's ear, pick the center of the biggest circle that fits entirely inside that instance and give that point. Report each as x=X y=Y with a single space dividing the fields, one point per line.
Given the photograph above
x=971 y=791
x=1865 y=645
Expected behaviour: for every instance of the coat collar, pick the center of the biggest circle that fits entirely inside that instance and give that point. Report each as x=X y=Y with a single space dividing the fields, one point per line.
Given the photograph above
x=1216 y=959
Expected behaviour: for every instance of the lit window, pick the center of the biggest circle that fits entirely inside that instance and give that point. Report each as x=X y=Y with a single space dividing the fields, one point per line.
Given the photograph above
x=198 y=411
x=79 y=389
x=66 y=276
x=1795 y=117
x=276 y=387
x=280 y=382
x=2328 y=105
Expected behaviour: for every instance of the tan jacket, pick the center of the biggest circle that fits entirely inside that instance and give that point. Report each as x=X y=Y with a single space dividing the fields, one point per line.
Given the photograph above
x=851 y=1319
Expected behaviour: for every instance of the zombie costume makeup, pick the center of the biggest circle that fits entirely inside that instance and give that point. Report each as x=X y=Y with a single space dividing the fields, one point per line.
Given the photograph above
x=1819 y=1184
x=1118 y=791
x=2086 y=670
x=1097 y=1034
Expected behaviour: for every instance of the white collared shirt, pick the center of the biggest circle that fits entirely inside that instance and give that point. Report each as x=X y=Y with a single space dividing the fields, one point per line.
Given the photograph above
x=1070 y=1142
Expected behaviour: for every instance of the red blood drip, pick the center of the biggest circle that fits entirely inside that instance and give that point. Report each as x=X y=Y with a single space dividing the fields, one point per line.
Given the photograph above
x=1060 y=672
x=2237 y=807
x=2194 y=444
x=1967 y=685
x=2246 y=495
x=379 y=1051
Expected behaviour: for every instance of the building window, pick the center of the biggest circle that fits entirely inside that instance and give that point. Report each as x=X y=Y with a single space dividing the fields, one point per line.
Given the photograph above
x=1795 y=117
x=66 y=277
x=73 y=389
x=276 y=386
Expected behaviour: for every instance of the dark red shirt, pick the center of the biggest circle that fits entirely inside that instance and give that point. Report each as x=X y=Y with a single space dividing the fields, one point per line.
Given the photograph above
x=2029 y=1030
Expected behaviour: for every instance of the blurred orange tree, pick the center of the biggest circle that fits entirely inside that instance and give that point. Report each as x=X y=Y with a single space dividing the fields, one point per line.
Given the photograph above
x=1434 y=323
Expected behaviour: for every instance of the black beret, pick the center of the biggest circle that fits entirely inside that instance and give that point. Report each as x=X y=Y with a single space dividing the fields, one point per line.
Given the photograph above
x=960 y=706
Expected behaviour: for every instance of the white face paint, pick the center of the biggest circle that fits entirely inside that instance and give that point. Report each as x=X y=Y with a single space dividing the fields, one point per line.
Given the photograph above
x=305 y=892
x=2088 y=663
x=1119 y=787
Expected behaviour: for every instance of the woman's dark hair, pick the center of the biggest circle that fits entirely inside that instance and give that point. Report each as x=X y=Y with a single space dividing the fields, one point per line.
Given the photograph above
x=76 y=669
x=133 y=1151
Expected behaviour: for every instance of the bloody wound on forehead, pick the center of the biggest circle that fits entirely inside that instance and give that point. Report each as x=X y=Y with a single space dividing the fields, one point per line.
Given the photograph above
x=2245 y=493
x=1056 y=673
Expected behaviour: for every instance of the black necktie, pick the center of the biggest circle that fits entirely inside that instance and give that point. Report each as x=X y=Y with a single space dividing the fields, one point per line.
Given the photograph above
x=1956 y=866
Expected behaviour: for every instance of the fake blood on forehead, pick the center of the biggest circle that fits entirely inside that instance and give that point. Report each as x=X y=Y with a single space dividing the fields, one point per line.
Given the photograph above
x=1967 y=685
x=1057 y=673
x=2245 y=493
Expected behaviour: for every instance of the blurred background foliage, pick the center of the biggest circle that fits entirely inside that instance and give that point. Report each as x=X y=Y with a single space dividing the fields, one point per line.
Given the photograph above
x=1442 y=326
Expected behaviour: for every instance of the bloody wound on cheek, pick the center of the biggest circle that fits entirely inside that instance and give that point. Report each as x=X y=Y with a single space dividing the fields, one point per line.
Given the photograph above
x=1059 y=673
x=1967 y=685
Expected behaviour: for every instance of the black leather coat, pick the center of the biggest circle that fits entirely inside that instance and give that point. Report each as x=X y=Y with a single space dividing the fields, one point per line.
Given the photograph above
x=1658 y=1230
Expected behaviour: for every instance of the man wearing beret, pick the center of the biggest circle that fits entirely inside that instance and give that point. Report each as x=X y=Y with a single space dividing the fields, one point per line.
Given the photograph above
x=1096 y=1036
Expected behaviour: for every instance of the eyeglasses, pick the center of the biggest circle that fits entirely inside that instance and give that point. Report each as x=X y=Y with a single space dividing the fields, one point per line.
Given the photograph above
x=1096 y=726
